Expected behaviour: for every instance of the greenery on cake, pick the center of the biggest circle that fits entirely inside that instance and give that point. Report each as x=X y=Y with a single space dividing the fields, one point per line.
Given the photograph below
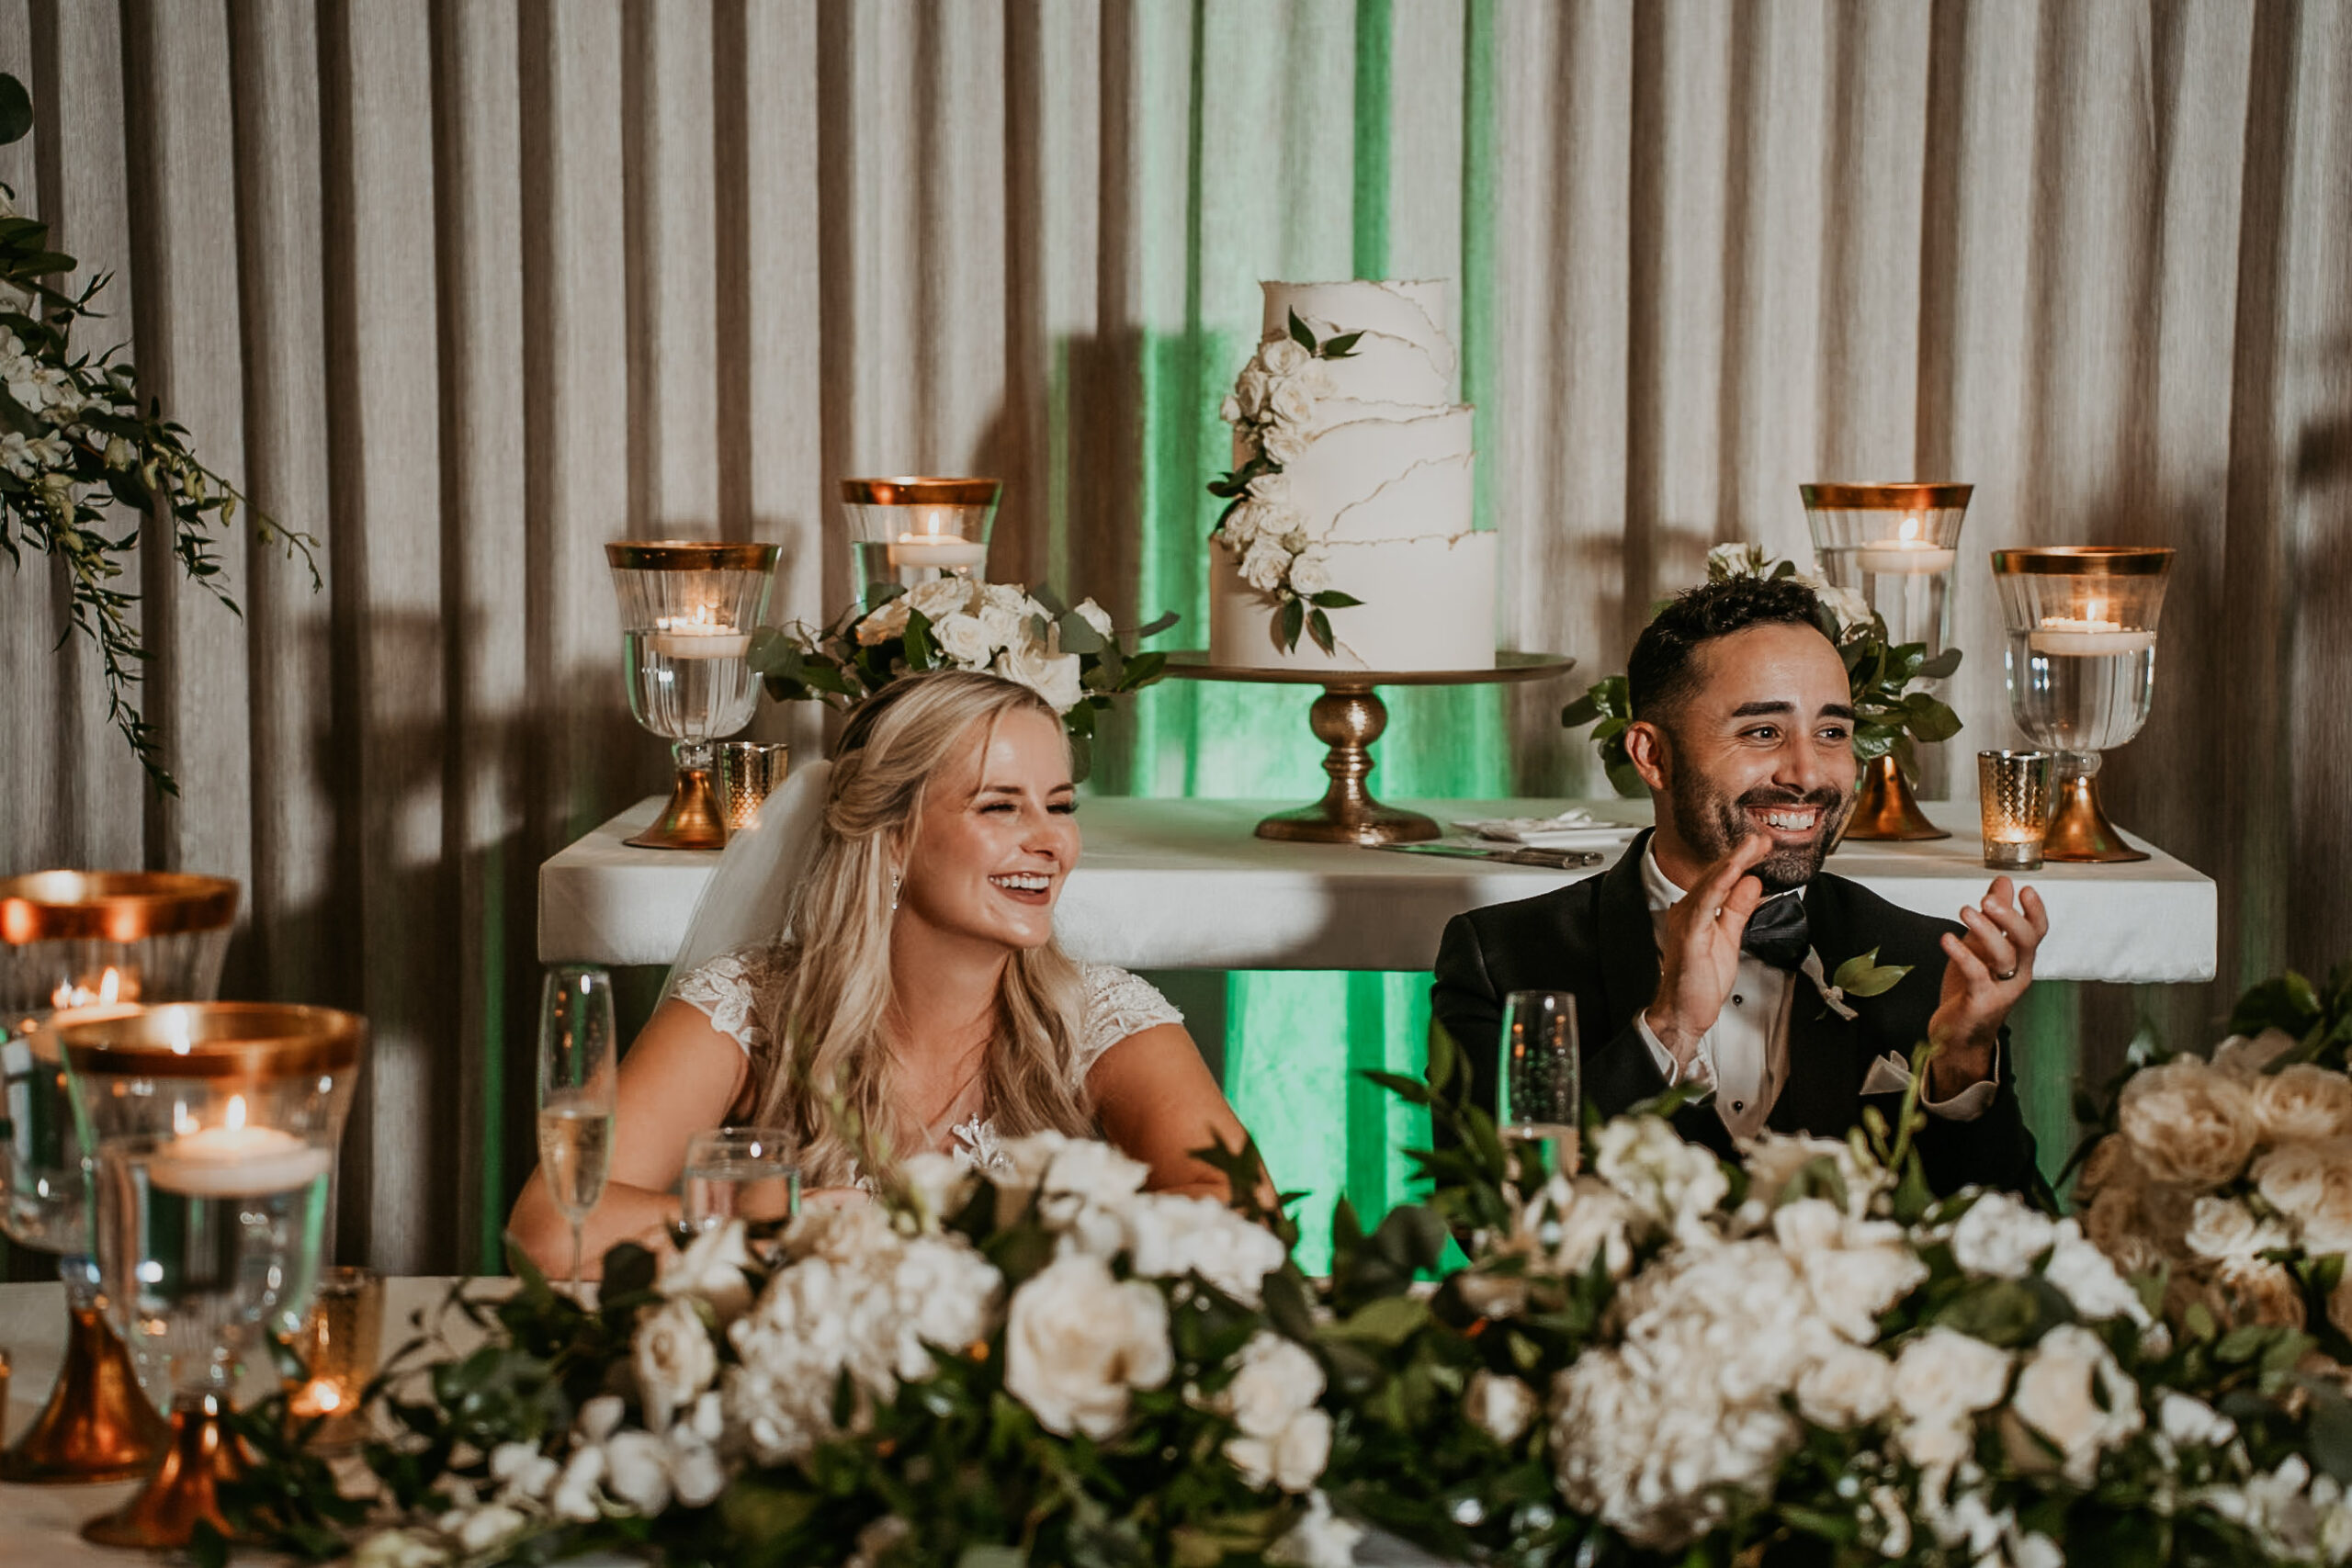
x=1272 y=407
x=1889 y=715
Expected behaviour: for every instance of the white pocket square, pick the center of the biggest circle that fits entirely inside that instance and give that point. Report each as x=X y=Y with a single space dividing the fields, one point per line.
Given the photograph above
x=1889 y=1075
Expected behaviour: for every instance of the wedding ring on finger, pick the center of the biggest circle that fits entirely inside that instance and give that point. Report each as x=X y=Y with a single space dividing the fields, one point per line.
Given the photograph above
x=2006 y=976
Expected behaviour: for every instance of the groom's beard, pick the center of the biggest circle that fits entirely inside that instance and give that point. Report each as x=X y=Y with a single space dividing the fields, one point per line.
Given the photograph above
x=1713 y=824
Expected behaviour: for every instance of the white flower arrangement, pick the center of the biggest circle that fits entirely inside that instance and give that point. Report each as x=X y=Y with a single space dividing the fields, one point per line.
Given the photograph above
x=1272 y=409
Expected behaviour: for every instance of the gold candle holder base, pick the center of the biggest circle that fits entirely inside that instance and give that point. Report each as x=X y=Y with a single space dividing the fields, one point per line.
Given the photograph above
x=2079 y=829
x=1885 y=807
x=691 y=820
x=201 y=1454
x=97 y=1425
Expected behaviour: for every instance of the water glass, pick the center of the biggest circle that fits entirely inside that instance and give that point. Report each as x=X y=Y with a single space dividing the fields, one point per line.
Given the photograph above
x=738 y=1173
x=576 y=1089
x=1542 y=1077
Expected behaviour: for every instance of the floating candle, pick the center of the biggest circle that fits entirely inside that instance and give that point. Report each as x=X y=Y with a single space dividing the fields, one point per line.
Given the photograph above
x=234 y=1160
x=2086 y=639
x=698 y=637
x=945 y=551
x=1905 y=555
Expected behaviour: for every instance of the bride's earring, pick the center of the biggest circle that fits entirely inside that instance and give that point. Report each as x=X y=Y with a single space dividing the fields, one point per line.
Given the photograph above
x=894 y=889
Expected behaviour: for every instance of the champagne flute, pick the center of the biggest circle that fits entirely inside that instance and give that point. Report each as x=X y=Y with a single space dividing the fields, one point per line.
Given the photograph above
x=576 y=1072
x=1542 y=1078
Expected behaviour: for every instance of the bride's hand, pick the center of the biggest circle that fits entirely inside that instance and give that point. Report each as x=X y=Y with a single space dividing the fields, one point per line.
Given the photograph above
x=834 y=1196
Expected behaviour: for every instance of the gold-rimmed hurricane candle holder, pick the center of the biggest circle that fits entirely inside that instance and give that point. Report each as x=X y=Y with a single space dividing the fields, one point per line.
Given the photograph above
x=2080 y=658
x=69 y=938
x=688 y=609
x=1895 y=545
x=212 y=1129
x=906 y=531
x=2013 y=793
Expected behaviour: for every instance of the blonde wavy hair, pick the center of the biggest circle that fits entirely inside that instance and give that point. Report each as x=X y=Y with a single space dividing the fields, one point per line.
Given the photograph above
x=829 y=1021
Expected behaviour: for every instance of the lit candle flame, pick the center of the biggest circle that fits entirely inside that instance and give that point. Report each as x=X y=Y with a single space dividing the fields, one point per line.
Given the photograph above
x=175 y=1022
x=1910 y=529
x=235 y=1118
x=182 y=1123
x=72 y=994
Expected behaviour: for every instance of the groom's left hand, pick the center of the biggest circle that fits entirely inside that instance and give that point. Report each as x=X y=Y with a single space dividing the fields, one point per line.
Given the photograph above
x=1985 y=973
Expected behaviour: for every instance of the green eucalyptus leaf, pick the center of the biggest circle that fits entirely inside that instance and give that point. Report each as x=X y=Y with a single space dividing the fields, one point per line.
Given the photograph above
x=1289 y=622
x=1078 y=636
x=1158 y=624
x=1864 y=975
x=1332 y=598
x=1299 y=334
x=1319 y=625
x=15 y=112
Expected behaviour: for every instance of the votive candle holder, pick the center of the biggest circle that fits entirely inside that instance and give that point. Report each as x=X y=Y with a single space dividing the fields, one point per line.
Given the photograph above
x=2013 y=789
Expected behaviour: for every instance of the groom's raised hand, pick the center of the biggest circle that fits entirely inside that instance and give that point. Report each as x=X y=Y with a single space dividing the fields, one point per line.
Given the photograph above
x=1984 y=974
x=1698 y=957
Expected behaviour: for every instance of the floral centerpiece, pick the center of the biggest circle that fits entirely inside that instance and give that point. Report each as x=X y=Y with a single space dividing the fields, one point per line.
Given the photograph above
x=2231 y=1177
x=1805 y=1358
x=1270 y=408
x=1888 y=714
x=1069 y=655
x=1042 y=1365
x=82 y=462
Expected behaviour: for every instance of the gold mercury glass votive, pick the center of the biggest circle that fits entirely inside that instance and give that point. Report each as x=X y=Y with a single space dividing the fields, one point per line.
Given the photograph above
x=338 y=1346
x=2013 y=787
x=748 y=772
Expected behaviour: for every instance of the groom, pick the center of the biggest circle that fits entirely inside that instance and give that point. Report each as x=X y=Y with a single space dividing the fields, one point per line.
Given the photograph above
x=1703 y=956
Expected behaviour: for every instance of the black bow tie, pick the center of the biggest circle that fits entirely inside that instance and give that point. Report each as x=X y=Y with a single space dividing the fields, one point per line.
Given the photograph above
x=1777 y=932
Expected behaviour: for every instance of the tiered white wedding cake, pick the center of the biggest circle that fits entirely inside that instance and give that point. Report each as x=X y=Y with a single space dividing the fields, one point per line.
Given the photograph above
x=1347 y=543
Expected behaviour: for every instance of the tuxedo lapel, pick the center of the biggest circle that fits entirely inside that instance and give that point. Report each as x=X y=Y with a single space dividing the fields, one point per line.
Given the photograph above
x=1821 y=1095
x=1625 y=940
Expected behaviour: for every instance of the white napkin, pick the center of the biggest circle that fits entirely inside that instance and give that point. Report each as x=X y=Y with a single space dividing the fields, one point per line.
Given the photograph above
x=1571 y=829
x=1889 y=1075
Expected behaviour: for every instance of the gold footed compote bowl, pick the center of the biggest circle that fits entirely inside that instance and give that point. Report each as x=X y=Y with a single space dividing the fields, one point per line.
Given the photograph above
x=67 y=939
x=688 y=608
x=212 y=1127
x=1347 y=717
x=1895 y=545
x=2081 y=662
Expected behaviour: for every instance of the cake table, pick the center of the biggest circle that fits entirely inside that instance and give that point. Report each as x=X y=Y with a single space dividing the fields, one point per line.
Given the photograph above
x=1347 y=717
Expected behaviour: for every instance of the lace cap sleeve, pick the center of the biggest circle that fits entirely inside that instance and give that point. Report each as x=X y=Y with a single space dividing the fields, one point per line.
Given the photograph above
x=1119 y=1004
x=728 y=989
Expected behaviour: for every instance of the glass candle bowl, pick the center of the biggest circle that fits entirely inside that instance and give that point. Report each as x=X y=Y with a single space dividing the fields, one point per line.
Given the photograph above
x=2080 y=658
x=74 y=938
x=213 y=1128
x=688 y=609
x=907 y=531
x=1895 y=545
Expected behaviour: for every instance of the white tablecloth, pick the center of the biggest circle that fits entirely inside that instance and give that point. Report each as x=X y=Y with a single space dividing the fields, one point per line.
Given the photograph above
x=1185 y=885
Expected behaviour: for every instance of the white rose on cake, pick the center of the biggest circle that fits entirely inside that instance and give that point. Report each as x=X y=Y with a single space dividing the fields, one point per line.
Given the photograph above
x=1266 y=565
x=1310 y=573
x=1291 y=403
x=1250 y=391
x=1272 y=489
x=1283 y=357
x=1282 y=443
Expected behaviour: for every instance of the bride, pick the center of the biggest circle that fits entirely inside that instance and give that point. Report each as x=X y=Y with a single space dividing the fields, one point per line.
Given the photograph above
x=915 y=972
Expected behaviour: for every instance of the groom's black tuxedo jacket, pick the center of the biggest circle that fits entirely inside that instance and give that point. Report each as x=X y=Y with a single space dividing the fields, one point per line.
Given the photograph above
x=1594 y=939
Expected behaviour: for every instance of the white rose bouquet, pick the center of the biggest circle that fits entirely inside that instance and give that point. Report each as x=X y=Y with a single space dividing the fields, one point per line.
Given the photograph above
x=1270 y=408
x=1804 y=1358
x=1889 y=715
x=1041 y=1364
x=1069 y=655
x=2230 y=1177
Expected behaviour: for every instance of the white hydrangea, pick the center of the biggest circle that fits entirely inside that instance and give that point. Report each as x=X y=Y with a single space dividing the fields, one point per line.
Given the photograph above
x=2001 y=1238
x=1854 y=1270
x=2088 y=1278
x=1280 y=1436
x=1675 y=1182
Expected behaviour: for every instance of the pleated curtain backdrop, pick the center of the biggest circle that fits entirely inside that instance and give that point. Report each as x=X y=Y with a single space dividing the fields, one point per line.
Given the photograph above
x=467 y=289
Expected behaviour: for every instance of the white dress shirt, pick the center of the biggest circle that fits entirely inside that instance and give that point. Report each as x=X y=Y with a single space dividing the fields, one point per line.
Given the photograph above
x=1744 y=1057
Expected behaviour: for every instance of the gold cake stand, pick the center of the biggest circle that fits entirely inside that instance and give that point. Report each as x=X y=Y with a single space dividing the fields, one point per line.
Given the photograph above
x=1347 y=717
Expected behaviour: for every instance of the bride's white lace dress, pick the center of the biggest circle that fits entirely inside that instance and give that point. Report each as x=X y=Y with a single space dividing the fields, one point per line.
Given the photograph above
x=1118 y=1003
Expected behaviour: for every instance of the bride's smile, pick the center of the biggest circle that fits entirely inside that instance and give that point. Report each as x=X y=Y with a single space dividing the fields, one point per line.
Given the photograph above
x=994 y=840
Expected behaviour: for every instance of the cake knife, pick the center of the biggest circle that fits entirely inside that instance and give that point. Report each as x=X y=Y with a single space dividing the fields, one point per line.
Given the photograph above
x=1556 y=860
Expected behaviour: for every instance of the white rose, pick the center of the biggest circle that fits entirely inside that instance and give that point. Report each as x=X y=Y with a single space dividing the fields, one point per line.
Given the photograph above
x=1229 y=410
x=1272 y=489
x=1501 y=1408
x=938 y=1184
x=1645 y=1159
x=1171 y=1236
x=946 y=1294
x=2071 y=1391
x=2301 y=1104
x=1848 y=1386
x=521 y=1470
x=1311 y=572
x=1293 y=1459
x=1571 y=1221
x=1023 y=1161
x=2247 y=1056
x=696 y=1472
x=2000 y=1237
x=1773 y=1160
x=1847 y=606
x=1319 y=1540
x=1003 y=625
x=674 y=1358
x=885 y=623
x=405 y=1549
x=1291 y=403
x=1265 y=566
x=1243 y=526
x=2311 y=1184
x=963 y=639
x=1059 y=678
x=1277 y=1379
x=636 y=1470
x=2257 y=1291
x=2190 y=1422
x=1854 y=1270
x=2188 y=1124
x=1284 y=443
x=939 y=598
x=2088 y=1278
x=1094 y=616
x=1077 y=1340
x=1943 y=1375
x=484 y=1529
x=711 y=1268
x=1737 y=558
x=1249 y=390
x=2224 y=1228
x=1283 y=357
